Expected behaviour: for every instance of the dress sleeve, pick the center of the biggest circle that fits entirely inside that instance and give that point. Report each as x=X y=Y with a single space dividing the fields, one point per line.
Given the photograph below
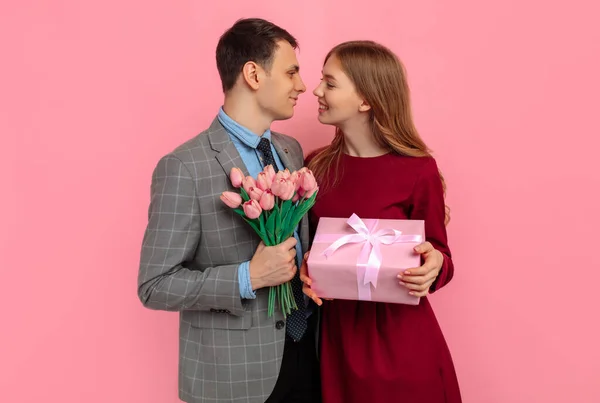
x=428 y=204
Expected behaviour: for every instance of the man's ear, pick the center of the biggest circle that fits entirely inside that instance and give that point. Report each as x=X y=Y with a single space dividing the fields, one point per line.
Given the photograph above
x=252 y=74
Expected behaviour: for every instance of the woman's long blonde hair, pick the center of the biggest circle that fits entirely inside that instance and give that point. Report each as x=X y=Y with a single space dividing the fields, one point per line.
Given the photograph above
x=380 y=78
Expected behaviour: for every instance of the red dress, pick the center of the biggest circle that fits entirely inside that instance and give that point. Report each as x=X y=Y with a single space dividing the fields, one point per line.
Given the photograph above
x=377 y=352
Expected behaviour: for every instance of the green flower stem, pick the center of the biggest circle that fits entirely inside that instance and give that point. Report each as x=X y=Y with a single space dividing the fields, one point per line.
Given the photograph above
x=287 y=217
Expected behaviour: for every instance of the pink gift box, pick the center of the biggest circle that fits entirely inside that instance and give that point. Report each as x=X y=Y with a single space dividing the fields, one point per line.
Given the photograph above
x=360 y=259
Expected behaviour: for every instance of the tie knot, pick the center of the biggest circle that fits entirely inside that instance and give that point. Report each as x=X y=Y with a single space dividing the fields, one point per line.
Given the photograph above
x=264 y=144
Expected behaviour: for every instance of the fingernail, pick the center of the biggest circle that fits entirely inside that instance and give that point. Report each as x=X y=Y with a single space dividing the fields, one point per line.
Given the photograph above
x=401 y=283
x=411 y=293
x=407 y=272
x=399 y=276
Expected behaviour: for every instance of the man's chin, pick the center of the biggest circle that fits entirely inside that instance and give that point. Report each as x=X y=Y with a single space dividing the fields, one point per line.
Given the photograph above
x=285 y=116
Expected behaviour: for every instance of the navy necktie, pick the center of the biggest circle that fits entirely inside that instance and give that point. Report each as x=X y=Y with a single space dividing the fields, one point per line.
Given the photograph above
x=296 y=320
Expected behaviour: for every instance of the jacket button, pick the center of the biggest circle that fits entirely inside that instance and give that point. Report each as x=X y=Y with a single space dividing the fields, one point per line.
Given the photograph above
x=280 y=324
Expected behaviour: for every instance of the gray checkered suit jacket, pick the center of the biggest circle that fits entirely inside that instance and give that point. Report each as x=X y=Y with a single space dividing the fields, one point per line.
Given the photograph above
x=229 y=350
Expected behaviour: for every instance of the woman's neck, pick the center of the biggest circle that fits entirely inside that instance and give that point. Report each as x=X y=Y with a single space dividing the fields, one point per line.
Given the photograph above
x=359 y=141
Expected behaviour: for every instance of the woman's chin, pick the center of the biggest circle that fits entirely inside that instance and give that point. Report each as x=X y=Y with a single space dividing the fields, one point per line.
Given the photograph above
x=323 y=119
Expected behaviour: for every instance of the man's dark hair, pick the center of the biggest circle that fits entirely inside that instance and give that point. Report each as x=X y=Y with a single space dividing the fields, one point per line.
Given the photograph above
x=249 y=39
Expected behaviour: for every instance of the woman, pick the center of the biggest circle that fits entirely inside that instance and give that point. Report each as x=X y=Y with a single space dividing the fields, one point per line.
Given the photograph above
x=378 y=167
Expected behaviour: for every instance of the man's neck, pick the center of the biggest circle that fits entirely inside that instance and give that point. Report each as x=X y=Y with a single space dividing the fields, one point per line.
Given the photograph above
x=245 y=112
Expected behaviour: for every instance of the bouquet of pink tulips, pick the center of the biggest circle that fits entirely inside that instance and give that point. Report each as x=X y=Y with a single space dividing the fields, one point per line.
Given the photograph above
x=273 y=204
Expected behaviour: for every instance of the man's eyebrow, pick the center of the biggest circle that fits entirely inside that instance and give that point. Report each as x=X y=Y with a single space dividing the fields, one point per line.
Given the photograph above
x=294 y=67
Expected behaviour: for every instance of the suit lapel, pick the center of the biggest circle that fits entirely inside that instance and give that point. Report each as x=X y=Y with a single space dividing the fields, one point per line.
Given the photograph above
x=227 y=155
x=283 y=153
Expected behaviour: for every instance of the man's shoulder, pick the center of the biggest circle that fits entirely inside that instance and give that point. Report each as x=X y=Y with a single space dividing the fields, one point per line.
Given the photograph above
x=195 y=149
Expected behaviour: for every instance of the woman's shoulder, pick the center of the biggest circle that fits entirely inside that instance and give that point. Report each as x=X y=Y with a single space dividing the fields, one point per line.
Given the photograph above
x=312 y=154
x=420 y=165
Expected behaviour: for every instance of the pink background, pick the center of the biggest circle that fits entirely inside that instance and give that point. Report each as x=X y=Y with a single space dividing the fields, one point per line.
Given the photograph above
x=93 y=93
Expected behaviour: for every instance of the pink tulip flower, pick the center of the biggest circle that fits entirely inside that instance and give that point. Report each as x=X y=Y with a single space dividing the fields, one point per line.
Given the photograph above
x=270 y=171
x=264 y=181
x=286 y=173
x=236 y=176
x=281 y=187
x=278 y=187
x=289 y=191
x=231 y=199
x=255 y=193
x=311 y=192
x=247 y=183
x=252 y=209
x=267 y=200
x=296 y=179
x=308 y=181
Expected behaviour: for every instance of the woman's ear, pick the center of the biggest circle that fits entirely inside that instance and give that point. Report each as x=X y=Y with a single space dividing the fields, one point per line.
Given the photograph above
x=364 y=106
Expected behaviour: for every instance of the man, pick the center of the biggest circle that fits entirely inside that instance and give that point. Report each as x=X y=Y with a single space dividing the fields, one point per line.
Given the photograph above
x=203 y=260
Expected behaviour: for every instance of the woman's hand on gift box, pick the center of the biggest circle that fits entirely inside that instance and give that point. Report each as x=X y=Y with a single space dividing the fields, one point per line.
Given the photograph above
x=419 y=279
x=306 y=282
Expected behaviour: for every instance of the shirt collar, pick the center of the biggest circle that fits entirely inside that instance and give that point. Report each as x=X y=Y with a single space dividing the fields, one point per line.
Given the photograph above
x=242 y=133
